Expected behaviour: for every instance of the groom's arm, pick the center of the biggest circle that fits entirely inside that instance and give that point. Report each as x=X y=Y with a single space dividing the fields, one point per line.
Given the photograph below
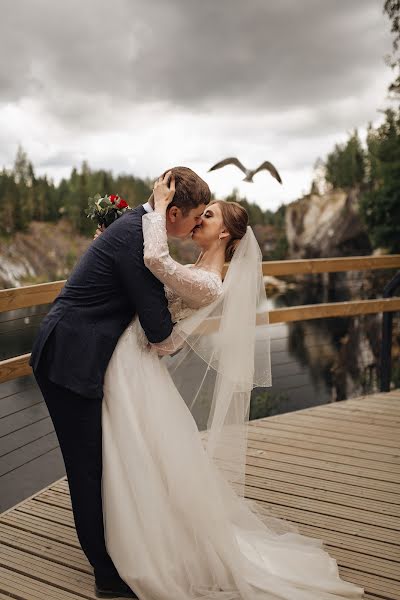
x=144 y=290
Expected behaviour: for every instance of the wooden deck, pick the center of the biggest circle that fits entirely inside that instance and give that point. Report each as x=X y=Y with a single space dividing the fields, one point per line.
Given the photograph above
x=334 y=470
x=30 y=458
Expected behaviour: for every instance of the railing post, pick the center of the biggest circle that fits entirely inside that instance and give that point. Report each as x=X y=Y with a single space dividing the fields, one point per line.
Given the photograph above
x=386 y=343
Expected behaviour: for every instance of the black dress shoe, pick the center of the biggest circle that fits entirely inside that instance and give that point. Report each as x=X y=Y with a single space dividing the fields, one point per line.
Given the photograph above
x=115 y=590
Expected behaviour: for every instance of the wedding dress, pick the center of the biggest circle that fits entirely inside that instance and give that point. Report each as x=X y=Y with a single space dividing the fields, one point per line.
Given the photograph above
x=174 y=528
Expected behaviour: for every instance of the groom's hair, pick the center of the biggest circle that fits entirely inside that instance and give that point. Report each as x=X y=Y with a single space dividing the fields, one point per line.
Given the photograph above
x=190 y=189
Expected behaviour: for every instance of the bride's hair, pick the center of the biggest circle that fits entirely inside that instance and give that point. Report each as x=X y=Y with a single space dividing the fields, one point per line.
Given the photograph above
x=190 y=189
x=236 y=220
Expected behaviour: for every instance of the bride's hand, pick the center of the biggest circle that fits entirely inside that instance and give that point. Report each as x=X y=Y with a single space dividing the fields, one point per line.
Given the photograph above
x=163 y=194
x=99 y=230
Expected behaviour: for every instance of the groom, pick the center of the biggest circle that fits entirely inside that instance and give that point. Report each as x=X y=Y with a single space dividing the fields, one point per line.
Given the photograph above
x=107 y=288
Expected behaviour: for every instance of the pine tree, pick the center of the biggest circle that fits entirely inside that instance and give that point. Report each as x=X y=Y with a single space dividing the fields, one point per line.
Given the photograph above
x=380 y=206
x=345 y=166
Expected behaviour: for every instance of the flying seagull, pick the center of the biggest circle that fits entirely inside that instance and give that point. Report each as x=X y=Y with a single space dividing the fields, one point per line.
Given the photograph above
x=248 y=172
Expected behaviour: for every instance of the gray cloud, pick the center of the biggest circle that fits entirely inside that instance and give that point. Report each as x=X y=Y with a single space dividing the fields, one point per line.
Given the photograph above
x=79 y=57
x=130 y=85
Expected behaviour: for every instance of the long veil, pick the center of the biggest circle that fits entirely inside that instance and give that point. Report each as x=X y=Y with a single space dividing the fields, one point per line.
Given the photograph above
x=225 y=353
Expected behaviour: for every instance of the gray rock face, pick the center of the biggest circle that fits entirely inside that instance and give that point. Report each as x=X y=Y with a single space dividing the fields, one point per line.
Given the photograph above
x=46 y=252
x=326 y=226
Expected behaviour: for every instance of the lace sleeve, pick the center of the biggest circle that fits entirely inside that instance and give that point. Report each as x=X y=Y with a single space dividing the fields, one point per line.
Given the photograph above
x=198 y=287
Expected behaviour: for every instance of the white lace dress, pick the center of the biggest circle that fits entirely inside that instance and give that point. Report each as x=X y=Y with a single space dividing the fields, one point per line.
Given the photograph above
x=174 y=529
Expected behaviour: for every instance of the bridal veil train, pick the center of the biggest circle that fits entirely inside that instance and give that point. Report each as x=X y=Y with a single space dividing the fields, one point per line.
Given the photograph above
x=177 y=524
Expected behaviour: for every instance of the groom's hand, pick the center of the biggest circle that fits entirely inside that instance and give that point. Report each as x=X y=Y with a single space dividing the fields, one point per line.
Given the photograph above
x=163 y=194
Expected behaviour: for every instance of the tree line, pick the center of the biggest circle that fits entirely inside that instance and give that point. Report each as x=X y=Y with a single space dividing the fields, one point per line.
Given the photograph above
x=26 y=197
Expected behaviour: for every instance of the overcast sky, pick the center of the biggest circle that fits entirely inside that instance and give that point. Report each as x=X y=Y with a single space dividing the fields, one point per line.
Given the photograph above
x=137 y=86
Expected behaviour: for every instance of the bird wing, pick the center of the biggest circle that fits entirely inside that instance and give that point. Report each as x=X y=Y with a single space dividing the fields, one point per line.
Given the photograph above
x=269 y=167
x=229 y=161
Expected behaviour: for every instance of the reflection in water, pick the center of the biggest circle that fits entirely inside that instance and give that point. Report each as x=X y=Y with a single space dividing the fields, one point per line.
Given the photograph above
x=18 y=329
x=325 y=359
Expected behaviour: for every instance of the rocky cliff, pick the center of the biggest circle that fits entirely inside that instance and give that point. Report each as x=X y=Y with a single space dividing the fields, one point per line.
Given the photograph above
x=326 y=226
x=329 y=226
x=46 y=252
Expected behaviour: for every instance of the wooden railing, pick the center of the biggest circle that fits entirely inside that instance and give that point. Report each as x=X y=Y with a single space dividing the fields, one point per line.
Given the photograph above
x=36 y=295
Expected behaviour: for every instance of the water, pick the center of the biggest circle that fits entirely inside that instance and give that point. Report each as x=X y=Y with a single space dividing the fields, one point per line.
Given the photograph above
x=313 y=362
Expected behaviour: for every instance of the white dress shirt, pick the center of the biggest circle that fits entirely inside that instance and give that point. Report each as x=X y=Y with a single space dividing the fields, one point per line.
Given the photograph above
x=147 y=207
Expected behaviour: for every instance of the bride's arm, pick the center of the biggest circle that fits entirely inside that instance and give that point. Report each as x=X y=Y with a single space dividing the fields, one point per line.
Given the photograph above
x=197 y=286
x=194 y=285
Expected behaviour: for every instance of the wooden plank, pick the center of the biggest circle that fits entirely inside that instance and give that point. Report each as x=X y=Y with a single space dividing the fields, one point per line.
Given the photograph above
x=322 y=470
x=324 y=427
x=44 y=489
x=339 y=525
x=19 y=400
x=257 y=441
x=343 y=501
x=337 y=437
x=383 y=453
x=385 y=396
x=28 y=453
x=55 y=499
x=361 y=415
x=30 y=295
x=330 y=265
x=46 y=529
x=301 y=440
x=389 y=502
x=25 y=435
x=44 y=293
x=390 y=407
x=15 y=387
x=379 y=410
x=22 y=418
x=45 y=548
x=30 y=477
x=333 y=309
x=382 y=586
x=380 y=402
x=335 y=422
x=332 y=532
x=22 y=587
x=54 y=514
x=385 y=526
x=362 y=545
x=61 y=486
x=372 y=565
x=15 y=367
x=349 y=417
x=46 y=571
x=374 y=475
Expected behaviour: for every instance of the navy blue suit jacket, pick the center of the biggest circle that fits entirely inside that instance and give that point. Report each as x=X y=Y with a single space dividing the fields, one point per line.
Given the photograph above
x=109 y=286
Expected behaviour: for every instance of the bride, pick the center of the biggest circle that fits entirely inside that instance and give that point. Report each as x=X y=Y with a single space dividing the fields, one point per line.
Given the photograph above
x=177 y=524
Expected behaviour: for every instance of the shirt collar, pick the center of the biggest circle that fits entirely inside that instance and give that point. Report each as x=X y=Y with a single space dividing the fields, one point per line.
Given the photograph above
x=147 y=207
